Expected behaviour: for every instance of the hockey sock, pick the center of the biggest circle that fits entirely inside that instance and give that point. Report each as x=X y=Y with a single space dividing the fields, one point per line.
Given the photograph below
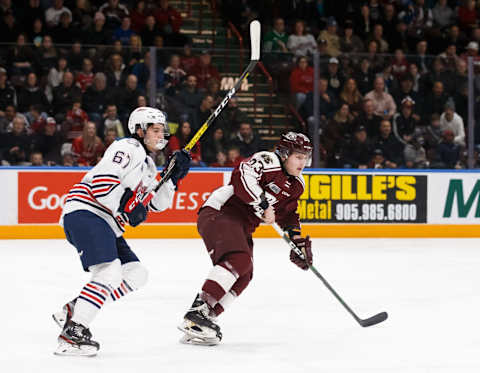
x=223 y=276
x=121 y=291
x=234 y=292
x=91 y=299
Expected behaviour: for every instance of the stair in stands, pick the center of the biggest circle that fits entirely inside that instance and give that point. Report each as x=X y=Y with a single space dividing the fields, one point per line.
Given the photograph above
x=227 y=58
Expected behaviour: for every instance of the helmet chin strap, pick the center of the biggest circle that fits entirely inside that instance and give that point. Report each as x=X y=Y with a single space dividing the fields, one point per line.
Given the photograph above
x=159 y=145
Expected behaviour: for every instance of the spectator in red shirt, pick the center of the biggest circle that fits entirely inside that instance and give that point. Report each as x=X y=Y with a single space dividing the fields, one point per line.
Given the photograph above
x=88 y=148
x=204 y=70
x=399 y=64
x=138 y=17
x=301 y=81
x=168 y=18
x=467 y=15
x=75 y=121
x=181 y=138
x=85 y=77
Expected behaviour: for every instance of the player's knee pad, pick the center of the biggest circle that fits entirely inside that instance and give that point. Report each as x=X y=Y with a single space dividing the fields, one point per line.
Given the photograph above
x=135 y=274
x=238 y=263
x=109 y=274
x=242 y=283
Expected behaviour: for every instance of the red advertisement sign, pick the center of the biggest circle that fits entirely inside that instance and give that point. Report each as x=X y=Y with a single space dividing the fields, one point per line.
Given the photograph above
x=41 y=196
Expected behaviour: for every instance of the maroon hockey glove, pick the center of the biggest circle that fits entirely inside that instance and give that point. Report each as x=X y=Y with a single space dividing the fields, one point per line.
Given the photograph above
x=305 y=245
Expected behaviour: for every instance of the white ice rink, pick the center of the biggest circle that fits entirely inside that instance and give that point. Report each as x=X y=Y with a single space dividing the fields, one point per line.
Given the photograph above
x=285 y=321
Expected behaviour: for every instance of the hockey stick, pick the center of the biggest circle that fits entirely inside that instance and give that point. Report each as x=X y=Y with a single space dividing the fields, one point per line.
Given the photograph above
x=376 y=319
x=254 y=58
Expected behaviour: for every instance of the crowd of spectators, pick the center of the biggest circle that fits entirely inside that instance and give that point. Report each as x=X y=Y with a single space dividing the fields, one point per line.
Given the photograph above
x=72 y=71
x=392 y=87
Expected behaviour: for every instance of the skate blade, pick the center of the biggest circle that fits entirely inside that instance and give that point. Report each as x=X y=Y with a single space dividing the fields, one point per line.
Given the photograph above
x=188 y=328
x=192 y=340
x=67 y=349
x=60 y=318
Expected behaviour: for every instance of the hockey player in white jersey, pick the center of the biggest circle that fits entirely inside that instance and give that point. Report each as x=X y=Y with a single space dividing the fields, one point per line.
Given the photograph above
x=96 y=209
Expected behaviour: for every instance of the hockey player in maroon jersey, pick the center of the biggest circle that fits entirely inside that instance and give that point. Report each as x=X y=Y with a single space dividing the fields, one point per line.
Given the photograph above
x=263 y=188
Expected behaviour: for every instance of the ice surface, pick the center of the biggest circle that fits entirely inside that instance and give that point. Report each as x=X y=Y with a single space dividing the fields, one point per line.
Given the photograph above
x=285 y=321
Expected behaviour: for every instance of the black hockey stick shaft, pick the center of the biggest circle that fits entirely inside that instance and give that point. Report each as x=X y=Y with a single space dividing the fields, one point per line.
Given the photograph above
x=376 y=319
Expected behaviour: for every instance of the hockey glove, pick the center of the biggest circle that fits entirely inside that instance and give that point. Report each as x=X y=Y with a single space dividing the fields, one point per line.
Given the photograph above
x=182 y=165
x=133 y=208
x=305 y=245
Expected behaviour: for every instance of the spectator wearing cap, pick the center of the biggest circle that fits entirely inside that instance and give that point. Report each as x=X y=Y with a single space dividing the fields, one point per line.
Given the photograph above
x=52 y=14
x=350 y=42
x=124 y=32
x=8 y=96
x=450 y=120
x=169 y=22
x=448 y=152
x=246 y=140
x=334 y=76
x=31 y=94
x=332 y=38
x=301 y=81
x=65 y=32
x=88 y=148
x=377 y=160
x=357 y=152
x=472 y=51
x=204 y=70
x=364 y=76
x=15 y=145
x=98 y=34
x=405 y=89
x=114 y=13
x=48 y=141
x=64 y=96
x=300 y=43
x=405 y=122
x=391 y=147
x=383 y=102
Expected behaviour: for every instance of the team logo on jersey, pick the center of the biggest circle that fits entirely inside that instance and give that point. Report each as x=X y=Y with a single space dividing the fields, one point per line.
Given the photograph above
x=267 y=159
x=274 y=188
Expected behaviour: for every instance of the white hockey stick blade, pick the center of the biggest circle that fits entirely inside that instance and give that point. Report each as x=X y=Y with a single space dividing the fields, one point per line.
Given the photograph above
x=255 y=40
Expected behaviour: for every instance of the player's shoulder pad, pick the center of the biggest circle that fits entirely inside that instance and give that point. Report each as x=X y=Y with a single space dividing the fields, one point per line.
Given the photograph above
x=269 y=160
x=128 y=145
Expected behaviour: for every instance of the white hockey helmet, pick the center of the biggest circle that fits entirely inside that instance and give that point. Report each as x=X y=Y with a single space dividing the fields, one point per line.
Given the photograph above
x=142 y=117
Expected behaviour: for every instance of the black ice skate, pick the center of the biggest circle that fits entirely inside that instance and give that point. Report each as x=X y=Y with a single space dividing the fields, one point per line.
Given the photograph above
x=76 y=340
x=199 y=327
x=63 y=316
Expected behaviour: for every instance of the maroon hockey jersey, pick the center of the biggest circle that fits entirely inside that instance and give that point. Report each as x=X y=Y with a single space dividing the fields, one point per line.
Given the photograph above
x=259 y=177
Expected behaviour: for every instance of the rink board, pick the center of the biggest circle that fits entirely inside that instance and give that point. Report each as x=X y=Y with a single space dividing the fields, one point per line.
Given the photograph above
x=336 y=203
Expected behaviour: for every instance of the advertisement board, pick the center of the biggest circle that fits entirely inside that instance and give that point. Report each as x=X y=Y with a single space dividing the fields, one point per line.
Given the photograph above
x=41 y=196
x=363 y=198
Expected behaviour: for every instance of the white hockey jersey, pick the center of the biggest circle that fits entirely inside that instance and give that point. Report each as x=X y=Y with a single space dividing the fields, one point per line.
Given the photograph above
x=125 y=164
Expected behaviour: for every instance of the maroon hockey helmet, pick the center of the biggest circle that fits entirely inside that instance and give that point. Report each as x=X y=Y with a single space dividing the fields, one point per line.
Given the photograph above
x=294 y=142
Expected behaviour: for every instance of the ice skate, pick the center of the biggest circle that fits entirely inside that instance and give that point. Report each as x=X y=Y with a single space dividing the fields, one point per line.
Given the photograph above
x=199 y=327
x=61 y=317
x=75 y=340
